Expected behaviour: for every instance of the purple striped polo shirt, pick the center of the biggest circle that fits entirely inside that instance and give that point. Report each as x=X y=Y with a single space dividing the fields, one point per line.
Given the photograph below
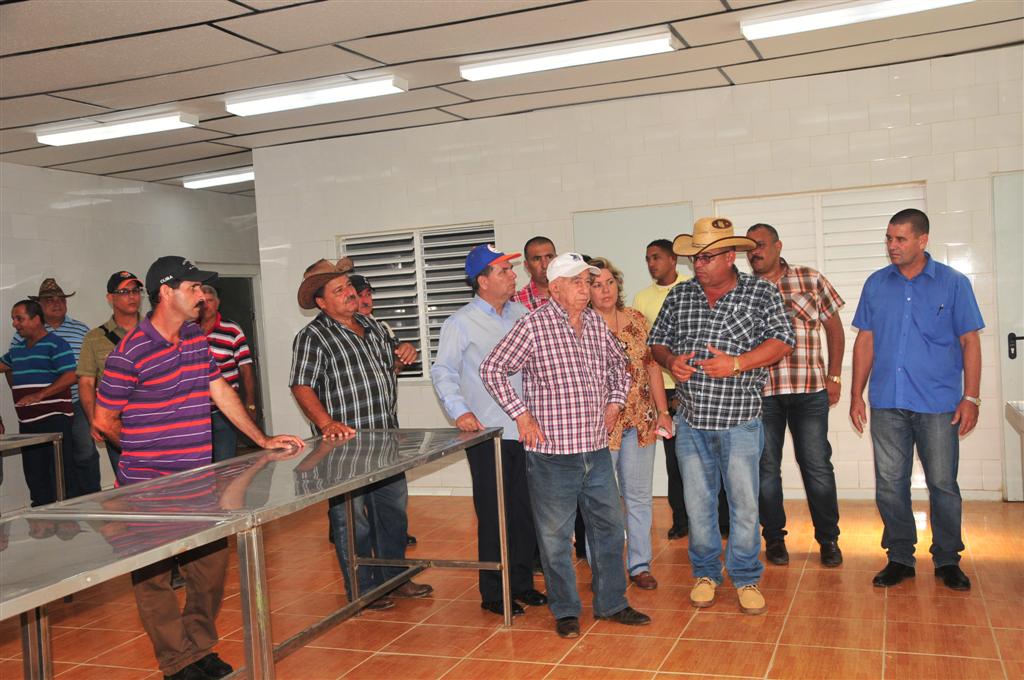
x=162 y=391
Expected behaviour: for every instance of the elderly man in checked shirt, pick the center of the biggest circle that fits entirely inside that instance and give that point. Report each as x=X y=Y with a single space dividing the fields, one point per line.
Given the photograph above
x=716 y=333
x=574 y=386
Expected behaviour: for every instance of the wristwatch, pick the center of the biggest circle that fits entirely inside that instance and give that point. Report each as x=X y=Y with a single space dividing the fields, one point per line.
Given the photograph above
x=835 y=378
x=736 y=365
x=974 y=400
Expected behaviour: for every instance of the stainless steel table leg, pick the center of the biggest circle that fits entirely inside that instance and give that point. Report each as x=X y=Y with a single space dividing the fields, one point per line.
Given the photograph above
x=259 y=645
x=58 y=466
x=499 y=475
x=37 y=659
x=350 y=538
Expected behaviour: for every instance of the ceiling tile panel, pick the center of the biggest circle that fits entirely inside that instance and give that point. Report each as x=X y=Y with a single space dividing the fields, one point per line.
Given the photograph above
x=39 y=25
x=562 y=22
x=263 y=5
x=418 y=74
x=332 y=22
x=176 y=170
x=56 y=155
x=330 y=113
x=633 y=88
x=147 y=159
x=352 y=127
x=711 y=29
x=934 y=21
x=116 y=60
x=691 y=59
x=886 y=52
x=41 y=109
x=215 y=80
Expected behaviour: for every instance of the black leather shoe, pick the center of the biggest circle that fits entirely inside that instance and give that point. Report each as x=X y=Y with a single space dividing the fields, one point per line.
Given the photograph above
x=953 y=577
x=189 y=672
x=531 y=597
x=410 y=540
x=412 y=590
x=831 y=555
x=380 y=604
x=893 y=573
x=214 y=666
x=775 y=551
x=627 y=617
x=568 y=627
x=678 y=531
x=496 y=607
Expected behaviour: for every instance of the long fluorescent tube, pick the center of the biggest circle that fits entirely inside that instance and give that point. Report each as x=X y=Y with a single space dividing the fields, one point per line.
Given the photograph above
x=85 y=130
x=847 y=13
x=216 y=179
x=311 y=93
x=622 y=46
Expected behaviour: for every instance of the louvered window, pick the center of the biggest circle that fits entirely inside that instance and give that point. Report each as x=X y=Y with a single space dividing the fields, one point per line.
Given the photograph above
x=419 y=279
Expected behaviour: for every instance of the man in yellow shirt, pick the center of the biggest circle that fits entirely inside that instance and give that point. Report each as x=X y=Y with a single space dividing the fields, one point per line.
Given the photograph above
x=662 y=265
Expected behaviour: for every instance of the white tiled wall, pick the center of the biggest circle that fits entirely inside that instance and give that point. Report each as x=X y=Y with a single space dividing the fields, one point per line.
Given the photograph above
x=80 y=228
x=949 y=122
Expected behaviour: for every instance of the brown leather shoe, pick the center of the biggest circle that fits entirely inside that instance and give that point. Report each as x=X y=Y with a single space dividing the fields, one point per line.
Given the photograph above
x=412 y=590
x=380 y=604
x=644 y=580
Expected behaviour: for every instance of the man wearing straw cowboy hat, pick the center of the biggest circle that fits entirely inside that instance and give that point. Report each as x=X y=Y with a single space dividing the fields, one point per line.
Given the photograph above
x=716 y=333
x=343 y=377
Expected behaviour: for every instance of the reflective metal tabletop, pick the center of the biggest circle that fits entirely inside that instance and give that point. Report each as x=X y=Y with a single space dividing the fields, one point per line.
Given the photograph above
x=16 y=441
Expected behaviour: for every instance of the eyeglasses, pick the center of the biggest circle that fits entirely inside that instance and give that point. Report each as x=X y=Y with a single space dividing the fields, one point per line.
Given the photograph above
x=125 y=292
x=704 y=259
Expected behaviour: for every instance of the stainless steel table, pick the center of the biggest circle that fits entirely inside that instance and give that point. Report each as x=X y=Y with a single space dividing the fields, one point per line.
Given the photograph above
x=11 y=442
x=261 y=487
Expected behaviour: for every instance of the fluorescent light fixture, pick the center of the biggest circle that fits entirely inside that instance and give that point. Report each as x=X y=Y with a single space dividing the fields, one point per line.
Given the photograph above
x=311 y=93
x=590 y=51
x=86 y=130
x=216 y=179
x=836 y=15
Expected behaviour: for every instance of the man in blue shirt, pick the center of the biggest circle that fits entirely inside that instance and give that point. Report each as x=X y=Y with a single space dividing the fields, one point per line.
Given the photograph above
x=467 y=337
x=918 y=340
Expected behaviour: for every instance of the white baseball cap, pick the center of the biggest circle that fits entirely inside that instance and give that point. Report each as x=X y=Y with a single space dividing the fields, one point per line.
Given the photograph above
x=569 y=265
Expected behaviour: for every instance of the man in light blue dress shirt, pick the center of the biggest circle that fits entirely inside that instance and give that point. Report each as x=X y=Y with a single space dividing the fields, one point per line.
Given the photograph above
x=467 y=337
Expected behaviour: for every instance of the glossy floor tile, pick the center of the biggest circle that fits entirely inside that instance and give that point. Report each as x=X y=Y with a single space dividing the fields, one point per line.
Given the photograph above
x=820 y=623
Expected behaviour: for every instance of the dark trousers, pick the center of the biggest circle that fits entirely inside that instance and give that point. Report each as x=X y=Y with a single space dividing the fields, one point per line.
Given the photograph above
x=519 y=530
x=182 y=636
x=85 y=473
x=807 y=418
x=37 y=461
x=676 y=498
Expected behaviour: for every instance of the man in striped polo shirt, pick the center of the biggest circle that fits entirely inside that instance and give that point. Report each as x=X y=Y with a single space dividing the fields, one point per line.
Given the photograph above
x=83 y=473
x=42 y=370
x=154 y=399
x=230 y=349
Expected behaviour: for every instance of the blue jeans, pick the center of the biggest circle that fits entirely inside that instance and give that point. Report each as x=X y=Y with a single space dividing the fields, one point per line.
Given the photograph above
x=84 y=477
x=894 y=432
x=225 y=439
x=557 y=483
x=706 y=458
x=634 y=469
x=807 y=417
x=381 y=524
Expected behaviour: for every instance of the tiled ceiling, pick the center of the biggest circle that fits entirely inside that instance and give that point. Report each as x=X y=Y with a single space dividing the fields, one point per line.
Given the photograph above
x=67 y=59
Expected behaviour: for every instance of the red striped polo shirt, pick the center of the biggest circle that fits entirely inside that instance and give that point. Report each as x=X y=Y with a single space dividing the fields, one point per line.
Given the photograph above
x=162 y=391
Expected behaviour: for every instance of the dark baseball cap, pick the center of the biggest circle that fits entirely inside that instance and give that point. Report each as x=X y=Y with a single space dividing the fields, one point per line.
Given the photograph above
x=117 y=278
x=171 y=267
x=360 y=282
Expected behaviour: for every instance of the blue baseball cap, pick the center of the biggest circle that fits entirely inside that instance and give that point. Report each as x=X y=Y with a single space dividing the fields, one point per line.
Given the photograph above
x=484 y=255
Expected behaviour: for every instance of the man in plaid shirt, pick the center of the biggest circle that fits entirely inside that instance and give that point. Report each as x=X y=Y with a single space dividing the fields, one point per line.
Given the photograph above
x=716 y=333
x=574 y=387
x=800 y=392
x=539 y=251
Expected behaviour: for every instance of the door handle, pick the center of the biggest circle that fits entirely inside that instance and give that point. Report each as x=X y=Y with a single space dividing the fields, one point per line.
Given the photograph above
x=1011 y=344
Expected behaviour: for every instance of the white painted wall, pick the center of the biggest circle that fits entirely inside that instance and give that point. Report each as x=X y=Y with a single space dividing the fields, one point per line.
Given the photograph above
x=81 y=228
x=950 y=122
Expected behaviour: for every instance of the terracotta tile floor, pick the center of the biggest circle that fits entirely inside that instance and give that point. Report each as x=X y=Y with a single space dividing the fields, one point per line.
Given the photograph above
x=820 y=623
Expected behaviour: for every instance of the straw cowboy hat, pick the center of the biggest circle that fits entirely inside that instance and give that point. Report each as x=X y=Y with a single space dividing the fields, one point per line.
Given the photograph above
x=711 y=233
x=317 y=275
x=49 y=288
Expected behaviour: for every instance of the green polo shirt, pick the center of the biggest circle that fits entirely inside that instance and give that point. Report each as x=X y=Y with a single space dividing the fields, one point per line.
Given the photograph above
x=96 y=347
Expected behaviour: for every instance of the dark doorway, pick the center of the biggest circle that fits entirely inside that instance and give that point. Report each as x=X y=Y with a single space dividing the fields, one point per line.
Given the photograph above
x=236 y=304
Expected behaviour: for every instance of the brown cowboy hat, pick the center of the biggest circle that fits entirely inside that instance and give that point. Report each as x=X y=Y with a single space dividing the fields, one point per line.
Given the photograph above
x=49 y=288
x=711 y=233
x=317 y=275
